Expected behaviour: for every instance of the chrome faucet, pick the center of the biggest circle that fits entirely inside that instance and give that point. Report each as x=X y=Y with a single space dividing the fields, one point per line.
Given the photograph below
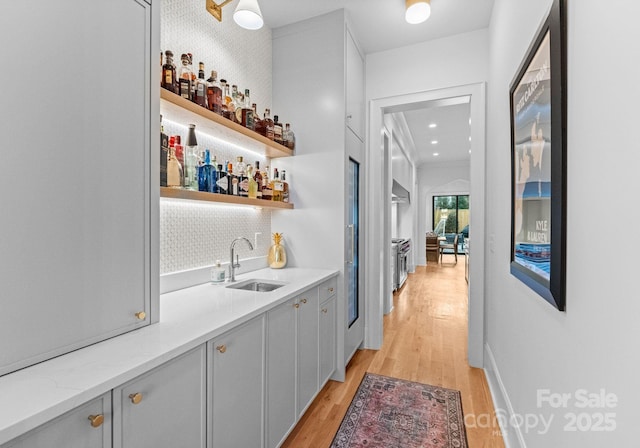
x=236 y=264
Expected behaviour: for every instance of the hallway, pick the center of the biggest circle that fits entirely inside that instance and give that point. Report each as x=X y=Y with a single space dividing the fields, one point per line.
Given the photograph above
x=425 y=340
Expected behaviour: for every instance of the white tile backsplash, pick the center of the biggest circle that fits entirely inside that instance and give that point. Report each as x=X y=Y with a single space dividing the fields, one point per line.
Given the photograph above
x=192 y=234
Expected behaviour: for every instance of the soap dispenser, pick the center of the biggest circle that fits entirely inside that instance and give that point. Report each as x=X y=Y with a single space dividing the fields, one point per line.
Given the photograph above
x=217 y=273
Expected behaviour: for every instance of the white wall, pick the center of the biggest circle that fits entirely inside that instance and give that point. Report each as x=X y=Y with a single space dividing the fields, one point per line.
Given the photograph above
x=436 y=179
x=593 y=345
x=194 y=235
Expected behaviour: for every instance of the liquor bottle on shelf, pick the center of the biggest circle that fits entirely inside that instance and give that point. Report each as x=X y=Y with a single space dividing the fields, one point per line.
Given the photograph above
x=193 y=77
x=214 y=93
x=207 y=174
x=239 y=105
x=267 y=186
x=252 y=191
x=191 y=160
x=201 y=87
x=179 y=151
x=247 y=111
x=257 y=176
x=243 y=181
x=258 y=123
x=227 y=101
x=164 y=155
x=235 y=103
x=222 y=180
x=276 y=186
x=277 y=130
x=233 y=180
x=289 y=137
x=169 y=72
x=285 y=187
x=268 y=124
x=184 y=77
x=174 y=170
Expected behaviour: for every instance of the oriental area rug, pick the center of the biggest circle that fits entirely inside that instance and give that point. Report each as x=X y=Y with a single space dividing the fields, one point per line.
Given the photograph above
x=393 y=413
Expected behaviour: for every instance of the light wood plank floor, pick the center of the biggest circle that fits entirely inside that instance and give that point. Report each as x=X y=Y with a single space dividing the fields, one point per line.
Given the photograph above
x=425 y=340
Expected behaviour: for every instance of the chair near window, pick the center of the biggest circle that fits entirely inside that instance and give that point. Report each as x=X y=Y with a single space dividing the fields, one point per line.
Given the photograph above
x=433 y=247
x=446 y=246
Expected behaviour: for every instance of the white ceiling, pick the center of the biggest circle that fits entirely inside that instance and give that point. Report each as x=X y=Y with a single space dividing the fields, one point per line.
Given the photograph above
x=452 y=132
x=379 y=24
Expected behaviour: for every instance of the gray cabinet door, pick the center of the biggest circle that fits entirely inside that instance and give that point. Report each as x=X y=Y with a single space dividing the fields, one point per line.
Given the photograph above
x=327 y=339
x=74 y=429
x=75 y=243
x=281 y=371
x=354 y=87
x=164 y=407
x=237 y=384
x=307 y=341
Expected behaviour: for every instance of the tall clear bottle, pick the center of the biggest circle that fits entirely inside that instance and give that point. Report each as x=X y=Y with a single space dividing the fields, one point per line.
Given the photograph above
x=185 y=76
x=201 y=87
x=268 y=124
x=214 y=93
x=267 y=186
x=258 y=123
x=222 y=180
x=252 y=191
x=277 y=130
x=241 y=175
x=289 y=137
x=227 y=101
x=285 y=187
x=174 y=170
x=191 y=160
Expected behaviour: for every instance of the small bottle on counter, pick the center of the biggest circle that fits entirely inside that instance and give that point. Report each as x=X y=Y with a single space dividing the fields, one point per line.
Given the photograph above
x=217 y=273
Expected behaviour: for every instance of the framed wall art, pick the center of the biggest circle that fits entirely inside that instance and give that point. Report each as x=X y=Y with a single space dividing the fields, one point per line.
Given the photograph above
x=538 y=162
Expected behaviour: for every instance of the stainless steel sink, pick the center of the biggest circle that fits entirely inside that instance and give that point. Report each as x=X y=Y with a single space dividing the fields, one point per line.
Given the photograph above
x=257 y=285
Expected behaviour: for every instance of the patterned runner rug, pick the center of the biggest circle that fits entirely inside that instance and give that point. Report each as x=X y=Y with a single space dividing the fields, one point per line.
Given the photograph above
x=393 y=413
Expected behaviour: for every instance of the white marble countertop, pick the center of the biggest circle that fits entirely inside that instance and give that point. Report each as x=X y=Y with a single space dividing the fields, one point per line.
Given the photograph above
x=188 y=318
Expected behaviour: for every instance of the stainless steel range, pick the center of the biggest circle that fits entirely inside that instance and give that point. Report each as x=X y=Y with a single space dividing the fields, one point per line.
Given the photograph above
x=400 y=251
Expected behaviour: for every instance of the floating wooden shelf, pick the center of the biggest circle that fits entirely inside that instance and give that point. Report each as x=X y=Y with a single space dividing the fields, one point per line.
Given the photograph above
x=178 y=193
x=175 y=108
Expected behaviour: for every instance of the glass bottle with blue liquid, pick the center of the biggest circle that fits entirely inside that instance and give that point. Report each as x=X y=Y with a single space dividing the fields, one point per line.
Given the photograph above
x=207 y=175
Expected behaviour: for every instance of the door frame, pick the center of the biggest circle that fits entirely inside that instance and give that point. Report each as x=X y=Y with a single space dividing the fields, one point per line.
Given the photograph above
x=377 y=221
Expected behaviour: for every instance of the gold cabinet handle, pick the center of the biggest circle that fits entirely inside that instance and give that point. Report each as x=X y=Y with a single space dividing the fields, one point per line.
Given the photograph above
x=221 y=348
x=304 y=300
x=141 y=315
x=136 y=398
x=324 y=310
x=96 y=420
x=330 y=289
x=296 y=305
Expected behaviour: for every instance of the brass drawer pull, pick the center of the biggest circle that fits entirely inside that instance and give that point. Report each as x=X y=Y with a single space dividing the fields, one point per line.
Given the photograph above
x=136 y=398
x=96 y=420
x=141 y=315
x=324 y=310
x=221 y=348
x=304 y=300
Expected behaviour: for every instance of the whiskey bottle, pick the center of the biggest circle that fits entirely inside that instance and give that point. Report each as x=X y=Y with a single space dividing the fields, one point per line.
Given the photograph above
x=257 y=176
x=164 y=155
x=235 y=102
x=277 y=130
x=233 y=180
x=239 y=105
x=268 y=124
x=169 y=72
x=247 y=111
x=285 y=187
x=227 y=101
x=258 y=123
x=201 y=87
x=267 y=186
x=276 y=186
x=214 y=93
x=184 y=77
x=174 y=170
x=243 y=180
x=289 y=137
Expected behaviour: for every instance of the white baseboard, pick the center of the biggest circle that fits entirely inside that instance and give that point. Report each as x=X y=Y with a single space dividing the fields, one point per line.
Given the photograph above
x=511 y=434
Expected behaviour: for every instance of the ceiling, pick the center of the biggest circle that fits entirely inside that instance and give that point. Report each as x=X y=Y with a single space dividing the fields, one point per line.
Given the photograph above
x=452 y=132
x=379 y=24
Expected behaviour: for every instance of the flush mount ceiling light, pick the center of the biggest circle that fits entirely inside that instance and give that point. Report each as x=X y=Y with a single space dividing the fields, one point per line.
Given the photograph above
x=247 y=13
x=434 y=142
x=417 y=11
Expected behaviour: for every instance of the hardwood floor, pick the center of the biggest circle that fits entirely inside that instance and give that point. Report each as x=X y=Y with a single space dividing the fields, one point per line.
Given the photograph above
x=425 y=340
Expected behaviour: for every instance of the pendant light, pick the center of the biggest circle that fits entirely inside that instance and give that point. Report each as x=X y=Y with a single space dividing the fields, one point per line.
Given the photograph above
x=248 y=15
x=417 y=11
